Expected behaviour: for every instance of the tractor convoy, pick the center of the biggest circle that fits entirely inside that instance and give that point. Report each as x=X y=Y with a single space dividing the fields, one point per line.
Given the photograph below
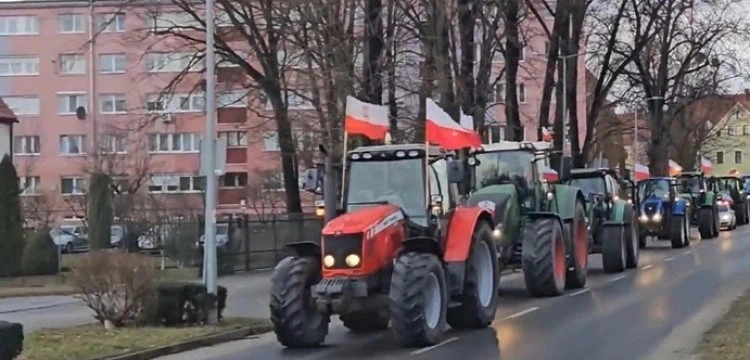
x=421 y=235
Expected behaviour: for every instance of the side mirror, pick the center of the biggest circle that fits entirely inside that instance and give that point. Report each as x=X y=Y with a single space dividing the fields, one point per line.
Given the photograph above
x=473 y=161
x=436 y=204
x=313 y=181
x=455 y=171
x=566 y=165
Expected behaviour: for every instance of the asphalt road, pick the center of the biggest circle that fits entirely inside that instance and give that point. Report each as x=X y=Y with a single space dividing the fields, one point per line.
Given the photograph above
x=657 y=311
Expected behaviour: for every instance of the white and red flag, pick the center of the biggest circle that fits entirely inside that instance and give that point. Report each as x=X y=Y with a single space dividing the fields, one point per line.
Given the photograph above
x=440 y=129
x=674 y=168
x=547 y=135
x=706 y=166
x=641 y=172
x=366 y=119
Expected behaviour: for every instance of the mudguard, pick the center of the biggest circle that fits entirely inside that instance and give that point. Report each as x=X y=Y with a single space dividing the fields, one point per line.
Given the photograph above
x=566 y=197
x=306 y=249
x=460 y=228
x=678 y=207
x=506 y=208
x=617 y=215
x=709 y=199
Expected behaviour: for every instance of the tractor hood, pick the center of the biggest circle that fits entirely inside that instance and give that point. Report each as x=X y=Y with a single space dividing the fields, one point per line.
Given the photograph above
x=507 y=211
x=359 y=220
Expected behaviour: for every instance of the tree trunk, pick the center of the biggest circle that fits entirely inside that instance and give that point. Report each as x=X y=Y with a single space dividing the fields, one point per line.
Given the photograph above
x=512 y=53
x=391 y=69
x=549 y=77
x=288 y=153
x=466 y=24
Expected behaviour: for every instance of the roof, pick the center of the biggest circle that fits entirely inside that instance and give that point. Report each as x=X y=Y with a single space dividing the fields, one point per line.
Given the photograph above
x=6 y=115
x=516 y=145
x=433 y=150
x=593 y=171
x=690 y=174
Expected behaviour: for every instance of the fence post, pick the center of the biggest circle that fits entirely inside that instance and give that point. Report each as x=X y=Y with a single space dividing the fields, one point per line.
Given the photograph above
x=275 y=240
x=246 y=240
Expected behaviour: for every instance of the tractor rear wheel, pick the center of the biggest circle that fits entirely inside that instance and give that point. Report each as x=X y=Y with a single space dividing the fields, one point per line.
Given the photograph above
x=578 y=250
x=418 y=299
x=706 y=222
x=360 y=322
x=677 y=232
x=543 y=257
x=480 y=295
x=741 y=212
x=296 y=321
x=631 y=239
x=716 y=222
x=614 y=254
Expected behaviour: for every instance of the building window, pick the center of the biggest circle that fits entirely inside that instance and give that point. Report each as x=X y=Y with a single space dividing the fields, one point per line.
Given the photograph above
x=296 y=100
x=19 y=25
x=546 y=13
x=68 y=103
x=745 y=129
x=271 y=141
x=233 y=180
x=274 y=182
x=170 y=21
x=494 y=133
x=731 y=130
x=521 y=93
x=72 y=144
x=72 y=185
x=173 y=142
x=112 y=63
x=30 y=185
x=113 y=144
x=72 y=64
x=234 y=138
x=19 y=65
x=171 y=62
x=112 y=104
x=108 y=23
x=738 y=157
x=71 y=23
x=719 y=157
x=26 y=145
x=234 y=99
x=175 y=183
x=498 y=94
x=546 y=48
x=176 y=102
x=522 y=52
x=22 y=105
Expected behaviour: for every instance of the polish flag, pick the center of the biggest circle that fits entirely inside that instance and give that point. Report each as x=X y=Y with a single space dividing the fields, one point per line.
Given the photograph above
x=550 y=174
x=706 y=165
x=674 y=168
x=641 y=172
x=546 y=134
x=366 y=119
x=734 y=172
x=442 y=130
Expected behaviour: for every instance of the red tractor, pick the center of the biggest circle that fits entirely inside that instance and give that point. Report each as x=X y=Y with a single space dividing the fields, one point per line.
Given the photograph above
x=403 y=251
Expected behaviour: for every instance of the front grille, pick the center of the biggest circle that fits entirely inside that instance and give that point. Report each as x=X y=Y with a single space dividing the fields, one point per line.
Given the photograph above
x=341 y=246
x=649 y=209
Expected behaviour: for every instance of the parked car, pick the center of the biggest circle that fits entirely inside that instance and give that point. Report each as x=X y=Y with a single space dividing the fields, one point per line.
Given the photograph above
x=70 y=237
x=154 y=238
x=222 y=235
x=118 y=234
x=727 y=218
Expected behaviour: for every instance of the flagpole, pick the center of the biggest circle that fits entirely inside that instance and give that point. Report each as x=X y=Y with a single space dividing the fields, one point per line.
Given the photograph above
x=343 y=166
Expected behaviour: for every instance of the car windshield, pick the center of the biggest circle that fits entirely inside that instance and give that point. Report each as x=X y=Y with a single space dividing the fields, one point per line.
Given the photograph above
x=689 y=184
x=397 y=182
x=655 y=187
x=589 y=185
x=747 y=182
x=723 y=207
x=501 y=166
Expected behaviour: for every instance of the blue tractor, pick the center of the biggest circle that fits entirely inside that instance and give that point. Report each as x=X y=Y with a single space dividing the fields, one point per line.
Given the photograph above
x=662 y=213
x=746 y=181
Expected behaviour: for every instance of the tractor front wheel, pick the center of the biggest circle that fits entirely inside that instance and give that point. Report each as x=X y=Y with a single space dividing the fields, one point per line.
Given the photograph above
x=296 y=321
x=706 y=222
x=632 y=241
x=578 y=250
x=677 y=232
x=480 y=295
x=418 y=299
x=543 y=257
x=614 y=255
x=741 y=212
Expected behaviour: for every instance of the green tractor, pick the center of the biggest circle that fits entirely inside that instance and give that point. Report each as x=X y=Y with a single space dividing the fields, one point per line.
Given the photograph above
x=541 y=223
x=731 y=190
x=613 y=224
x=700 y=197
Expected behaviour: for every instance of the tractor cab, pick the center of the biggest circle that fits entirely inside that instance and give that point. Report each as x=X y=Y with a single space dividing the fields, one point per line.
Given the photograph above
x=692 y=187
x=746 y=185
x=731 y=189
x=597 y=184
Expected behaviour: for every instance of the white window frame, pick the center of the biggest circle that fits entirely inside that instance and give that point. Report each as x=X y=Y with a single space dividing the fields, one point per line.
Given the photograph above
x=110 y=23
x=30 y=145
x=113 y=144
x=15 y=25
x=546 y=14
x=170 y=21
x=225 y=63
x=78 y=185
x=270 y=141
x=265 y=183
x=67 y=96
x=234 y=139
x=77 y=23
x=521 y=93
x=111 y=60
x=71 y=64
x=172 y=183
x=236 y=178
x=30 y=185
x=232 y=99
x=171 y=62
x=164 y=143
x=27 y=64
x=176 y=103
x=296 y=100
x=65 y=147
x=119 y=104
x=23 y=105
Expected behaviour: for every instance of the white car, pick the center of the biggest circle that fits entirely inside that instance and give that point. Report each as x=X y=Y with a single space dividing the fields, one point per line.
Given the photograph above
x=727 y=218
x=222 y=235
x=70 y=237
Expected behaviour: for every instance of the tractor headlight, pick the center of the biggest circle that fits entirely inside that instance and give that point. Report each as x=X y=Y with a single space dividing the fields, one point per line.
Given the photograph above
x=630 y=201
x=644 y=217
x=497 y=233
x=352 y=260
x=657 y=217
x=329 y=261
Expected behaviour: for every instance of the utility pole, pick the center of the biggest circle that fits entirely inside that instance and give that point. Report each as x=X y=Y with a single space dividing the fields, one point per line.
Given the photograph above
x=92 y=106
x=209 y=245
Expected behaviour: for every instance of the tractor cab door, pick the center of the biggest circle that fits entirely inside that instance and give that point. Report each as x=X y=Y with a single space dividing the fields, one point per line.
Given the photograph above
x=443 y=198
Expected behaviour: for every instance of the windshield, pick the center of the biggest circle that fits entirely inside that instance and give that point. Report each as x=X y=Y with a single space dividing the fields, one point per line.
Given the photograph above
x=590 y=185
x=725 y=184
x=747 y=181
x=723 y=207
x=501 y=166
x=656 y=187
x=397 y=182
x=689 y=184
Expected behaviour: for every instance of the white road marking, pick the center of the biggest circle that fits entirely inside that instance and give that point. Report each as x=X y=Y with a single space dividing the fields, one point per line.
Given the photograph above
x=669 y=258
x=616 y=278
x=647 y=267
x=424 y=350
x=687 y=252
x=579 y=292
x=520 y=313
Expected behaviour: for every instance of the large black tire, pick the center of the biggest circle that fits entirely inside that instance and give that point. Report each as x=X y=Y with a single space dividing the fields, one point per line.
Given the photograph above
x=296 y=321
x=741 y=213
x=706 y=222
x=613 y=249
x=716 y=222
x=413 y=274
x=478 y=304
x=632 y=242
x=361 y=322
x=677 y=232
x=543 y=257
x=577 y=250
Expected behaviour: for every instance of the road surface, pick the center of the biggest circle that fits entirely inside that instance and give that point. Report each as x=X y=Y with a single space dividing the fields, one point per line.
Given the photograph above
x=657 y=311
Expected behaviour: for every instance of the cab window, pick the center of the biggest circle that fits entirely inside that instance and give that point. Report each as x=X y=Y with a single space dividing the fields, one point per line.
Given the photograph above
x=439 y=183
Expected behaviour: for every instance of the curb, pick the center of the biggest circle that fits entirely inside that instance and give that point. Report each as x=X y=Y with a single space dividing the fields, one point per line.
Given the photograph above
x=41 y=307
x=230 y=335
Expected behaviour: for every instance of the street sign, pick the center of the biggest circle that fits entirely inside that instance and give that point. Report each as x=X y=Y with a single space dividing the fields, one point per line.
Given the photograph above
x=221 y=157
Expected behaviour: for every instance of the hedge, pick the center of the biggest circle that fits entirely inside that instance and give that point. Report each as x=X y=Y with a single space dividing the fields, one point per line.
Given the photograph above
x=186 y=303
x=11 y=340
